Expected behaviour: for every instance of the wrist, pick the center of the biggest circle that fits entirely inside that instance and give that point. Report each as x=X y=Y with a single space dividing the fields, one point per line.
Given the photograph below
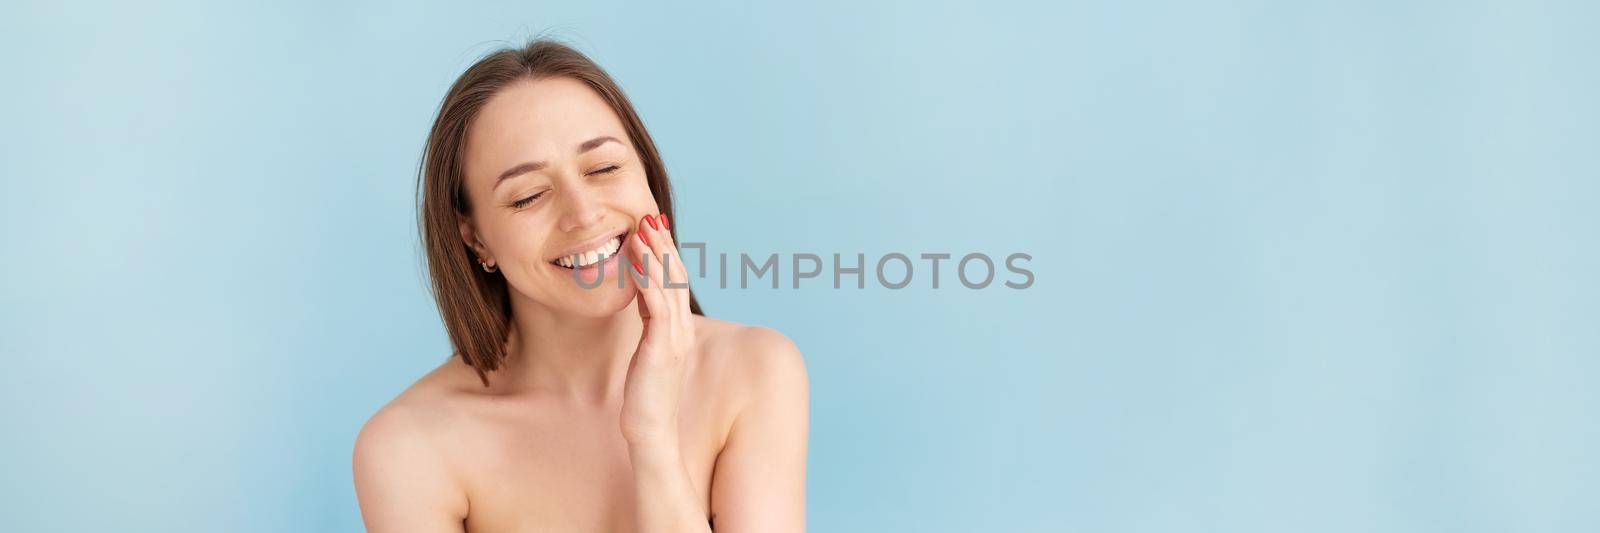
x=653 y=434
x=658 y=450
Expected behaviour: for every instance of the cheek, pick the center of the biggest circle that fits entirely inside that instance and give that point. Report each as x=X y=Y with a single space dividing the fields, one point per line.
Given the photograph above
x=518 y=236
x=636 y=194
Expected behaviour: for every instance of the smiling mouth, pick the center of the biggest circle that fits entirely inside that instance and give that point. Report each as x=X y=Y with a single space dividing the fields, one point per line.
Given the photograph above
x=589 y=258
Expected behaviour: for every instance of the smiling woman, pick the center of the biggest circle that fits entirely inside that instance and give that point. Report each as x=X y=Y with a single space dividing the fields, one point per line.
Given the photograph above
x=467 y=300
x=570 y=406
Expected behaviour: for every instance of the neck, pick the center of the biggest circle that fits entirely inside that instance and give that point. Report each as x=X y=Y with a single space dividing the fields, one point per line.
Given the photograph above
x=582 y=359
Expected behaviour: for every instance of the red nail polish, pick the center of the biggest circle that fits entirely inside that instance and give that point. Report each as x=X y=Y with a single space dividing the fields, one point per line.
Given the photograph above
x=666 y=223
x=652 y=221
x=642 y=238
x=639 y=269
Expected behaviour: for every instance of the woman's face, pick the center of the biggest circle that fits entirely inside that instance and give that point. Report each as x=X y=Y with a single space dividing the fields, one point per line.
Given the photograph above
x=552 y=176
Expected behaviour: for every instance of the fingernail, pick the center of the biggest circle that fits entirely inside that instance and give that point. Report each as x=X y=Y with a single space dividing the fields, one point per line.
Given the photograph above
x=642 y=239
x=652 y=221
x=637 y=268
x=666 y=223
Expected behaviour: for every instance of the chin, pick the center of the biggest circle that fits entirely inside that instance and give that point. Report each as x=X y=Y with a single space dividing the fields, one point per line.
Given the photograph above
x=599 y=302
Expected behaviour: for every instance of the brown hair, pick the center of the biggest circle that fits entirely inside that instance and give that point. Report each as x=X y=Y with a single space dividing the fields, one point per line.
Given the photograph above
x=474 y=304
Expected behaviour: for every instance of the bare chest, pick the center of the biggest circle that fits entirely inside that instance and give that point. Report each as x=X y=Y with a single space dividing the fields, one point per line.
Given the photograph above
x=552 y=469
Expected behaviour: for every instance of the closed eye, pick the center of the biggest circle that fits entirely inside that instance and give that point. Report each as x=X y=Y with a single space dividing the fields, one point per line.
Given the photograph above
x=519 y=204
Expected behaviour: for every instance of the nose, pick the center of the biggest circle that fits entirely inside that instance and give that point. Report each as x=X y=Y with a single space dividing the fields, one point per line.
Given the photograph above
x=580 y=209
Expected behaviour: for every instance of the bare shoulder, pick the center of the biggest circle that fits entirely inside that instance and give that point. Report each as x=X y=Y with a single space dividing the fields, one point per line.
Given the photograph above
x=759 y=478
x=401 y=421
x=397 y=460
x=419 y=408
x=395 y=436
x=759 y=358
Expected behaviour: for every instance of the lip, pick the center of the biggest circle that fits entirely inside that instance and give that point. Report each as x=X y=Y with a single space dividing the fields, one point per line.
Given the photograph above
x=592 y=244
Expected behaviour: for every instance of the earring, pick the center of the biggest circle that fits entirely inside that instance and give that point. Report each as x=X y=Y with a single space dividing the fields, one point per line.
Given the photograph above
x=487 y=267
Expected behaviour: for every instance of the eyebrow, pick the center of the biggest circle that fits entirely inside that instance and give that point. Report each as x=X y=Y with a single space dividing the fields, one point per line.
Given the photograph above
x=539 y=165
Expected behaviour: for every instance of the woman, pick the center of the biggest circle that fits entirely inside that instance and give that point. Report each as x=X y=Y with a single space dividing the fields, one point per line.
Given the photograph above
x=571 y=406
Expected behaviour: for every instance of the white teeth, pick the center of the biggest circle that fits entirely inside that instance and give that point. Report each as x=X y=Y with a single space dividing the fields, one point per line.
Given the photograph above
x=584 y=259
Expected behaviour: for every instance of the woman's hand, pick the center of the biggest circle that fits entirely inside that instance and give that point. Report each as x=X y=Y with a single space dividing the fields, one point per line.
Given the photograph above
x=655 y=375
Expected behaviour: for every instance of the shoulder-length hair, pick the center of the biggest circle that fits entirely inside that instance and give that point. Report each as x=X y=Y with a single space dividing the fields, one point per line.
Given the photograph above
x=474 y=304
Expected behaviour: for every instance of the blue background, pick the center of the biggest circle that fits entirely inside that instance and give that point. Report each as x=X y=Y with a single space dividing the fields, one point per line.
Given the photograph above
x=1304 y=266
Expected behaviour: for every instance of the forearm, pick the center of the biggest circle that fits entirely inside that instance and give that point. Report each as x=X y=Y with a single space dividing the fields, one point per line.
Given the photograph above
x=665 y=497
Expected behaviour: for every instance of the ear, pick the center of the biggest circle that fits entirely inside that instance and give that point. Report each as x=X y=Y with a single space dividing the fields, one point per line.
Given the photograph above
x=470 y=236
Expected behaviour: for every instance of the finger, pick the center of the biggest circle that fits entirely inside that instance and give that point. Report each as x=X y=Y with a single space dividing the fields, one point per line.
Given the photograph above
x=670 y=242
x=650 y=229
x=647 y=275
x=652 y=303
x=654 y=307
x=661 y=248
x=658 y=229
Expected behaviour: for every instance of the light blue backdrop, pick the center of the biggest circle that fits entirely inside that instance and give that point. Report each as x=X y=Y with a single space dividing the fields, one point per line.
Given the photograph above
x=1301 y=266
